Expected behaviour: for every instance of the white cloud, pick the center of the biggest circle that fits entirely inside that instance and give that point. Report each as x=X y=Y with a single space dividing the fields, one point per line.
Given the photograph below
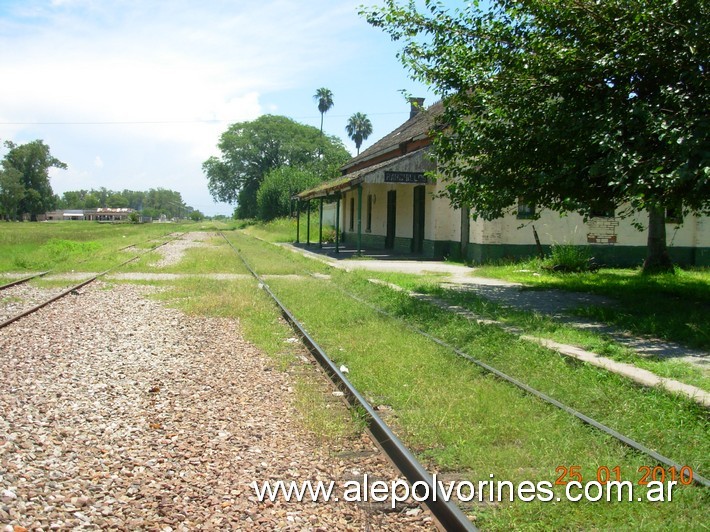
x=176 y=72
x=161 y=60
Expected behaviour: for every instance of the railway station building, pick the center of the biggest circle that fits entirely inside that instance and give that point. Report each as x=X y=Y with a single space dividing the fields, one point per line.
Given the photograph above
x=384 y=200
x=69 y=214
x=101 y=214
x=108 y=214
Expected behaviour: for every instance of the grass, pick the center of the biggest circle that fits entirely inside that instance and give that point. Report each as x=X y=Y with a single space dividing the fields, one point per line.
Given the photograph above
x=323 y=414
x=213 y=255
x=284 y=229
x=673 y=307
x=65 y=246
x=424 y=283
x=536 y=324
x=274 y=260
x=458 y=419
x=454 y=416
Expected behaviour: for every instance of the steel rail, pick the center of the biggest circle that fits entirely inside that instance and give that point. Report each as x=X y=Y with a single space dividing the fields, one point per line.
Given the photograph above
x=446 y=512
x=23 y=280
x=41 y=274
x=68 y=291
x=60 y=295
x=698 y=479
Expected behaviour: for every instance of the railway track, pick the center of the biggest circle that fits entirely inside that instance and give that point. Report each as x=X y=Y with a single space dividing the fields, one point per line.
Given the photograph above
x=448 y=524
x=28 y=278
x=445 y=511
x=23 y=280
x=337 y=377
x=72 y=289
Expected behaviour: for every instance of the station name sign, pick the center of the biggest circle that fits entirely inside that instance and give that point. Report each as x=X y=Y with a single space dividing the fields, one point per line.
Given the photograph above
x=405 y=177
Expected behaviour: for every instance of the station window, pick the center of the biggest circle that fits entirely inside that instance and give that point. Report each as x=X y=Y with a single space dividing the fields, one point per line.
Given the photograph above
x=352 y=214
x=674 y=214
x=526 y=210
x=602 y=210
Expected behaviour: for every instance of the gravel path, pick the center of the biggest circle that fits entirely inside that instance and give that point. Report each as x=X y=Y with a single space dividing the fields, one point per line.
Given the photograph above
x=147 y=419
x=172 y=252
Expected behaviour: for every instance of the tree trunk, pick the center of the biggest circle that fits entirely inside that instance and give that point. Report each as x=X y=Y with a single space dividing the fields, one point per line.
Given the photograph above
x=657 y=258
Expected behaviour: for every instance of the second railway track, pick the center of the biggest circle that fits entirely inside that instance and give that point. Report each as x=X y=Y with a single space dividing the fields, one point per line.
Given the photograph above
x=8 y=320
x=340 y=380
x=447 y=514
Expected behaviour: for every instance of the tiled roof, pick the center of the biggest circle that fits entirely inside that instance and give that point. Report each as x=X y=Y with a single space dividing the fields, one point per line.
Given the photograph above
x=414 y=128
x=348 y=181
x=327 y=187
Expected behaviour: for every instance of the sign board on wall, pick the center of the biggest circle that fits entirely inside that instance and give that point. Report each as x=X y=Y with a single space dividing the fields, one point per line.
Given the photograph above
x=405 y=177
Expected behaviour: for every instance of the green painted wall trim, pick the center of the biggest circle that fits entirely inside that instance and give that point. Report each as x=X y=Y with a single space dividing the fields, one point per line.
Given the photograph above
x=624 y=256
x=369 y=241
x=441 y=249
x=402 y=245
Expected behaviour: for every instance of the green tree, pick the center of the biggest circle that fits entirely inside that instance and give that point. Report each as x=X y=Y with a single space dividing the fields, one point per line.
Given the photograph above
x=91 y=201
x=324 y=97
x=33 y=161
x=135 y=199
x=279 y=185
x=153 y=203
x=196 y=216
x=250 y=150
x=116 y=200
x=163 y=201
x=359 y=128
x=72 y=199
x=12 y=192
x=570 y=104
x=101 y=196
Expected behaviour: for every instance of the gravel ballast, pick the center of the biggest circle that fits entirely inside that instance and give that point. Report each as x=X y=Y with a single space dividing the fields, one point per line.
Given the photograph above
x=23 y=297
x=119 y=413
x=172 y=253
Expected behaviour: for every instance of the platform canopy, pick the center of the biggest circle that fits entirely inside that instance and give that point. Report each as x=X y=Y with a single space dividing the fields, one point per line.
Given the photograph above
x=403 y=169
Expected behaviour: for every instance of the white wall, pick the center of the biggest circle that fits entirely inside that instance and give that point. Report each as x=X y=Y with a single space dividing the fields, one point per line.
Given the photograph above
x=553 y=228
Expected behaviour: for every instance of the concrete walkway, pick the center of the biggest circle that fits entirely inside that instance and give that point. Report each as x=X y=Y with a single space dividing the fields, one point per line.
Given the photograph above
x=636 y=374
x=556 y=304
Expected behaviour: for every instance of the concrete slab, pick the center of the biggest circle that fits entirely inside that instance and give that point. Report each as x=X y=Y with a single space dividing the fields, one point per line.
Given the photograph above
x=554 y=303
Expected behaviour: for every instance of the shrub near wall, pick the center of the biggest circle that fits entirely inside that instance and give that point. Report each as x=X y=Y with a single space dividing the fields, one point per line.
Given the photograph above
x=274 y=196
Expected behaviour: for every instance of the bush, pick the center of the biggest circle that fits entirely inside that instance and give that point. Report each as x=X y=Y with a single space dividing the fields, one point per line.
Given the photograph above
x=274 y=196
x=56 y=251
x=568 y=258
x=329 y=234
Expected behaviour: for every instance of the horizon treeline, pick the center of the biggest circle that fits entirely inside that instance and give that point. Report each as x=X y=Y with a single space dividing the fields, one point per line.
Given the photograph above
x=154 y=202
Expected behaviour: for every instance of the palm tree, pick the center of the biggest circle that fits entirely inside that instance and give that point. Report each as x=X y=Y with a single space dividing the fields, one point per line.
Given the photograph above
x=359 y=128
x=324 y=97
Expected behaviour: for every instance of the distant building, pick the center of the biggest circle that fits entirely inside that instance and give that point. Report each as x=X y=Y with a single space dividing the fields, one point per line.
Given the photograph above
x=102 y=214
x=69 y=214
x=107 y=214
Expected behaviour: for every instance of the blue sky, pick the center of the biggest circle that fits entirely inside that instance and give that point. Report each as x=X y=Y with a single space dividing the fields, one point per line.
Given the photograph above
x=134 y=94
